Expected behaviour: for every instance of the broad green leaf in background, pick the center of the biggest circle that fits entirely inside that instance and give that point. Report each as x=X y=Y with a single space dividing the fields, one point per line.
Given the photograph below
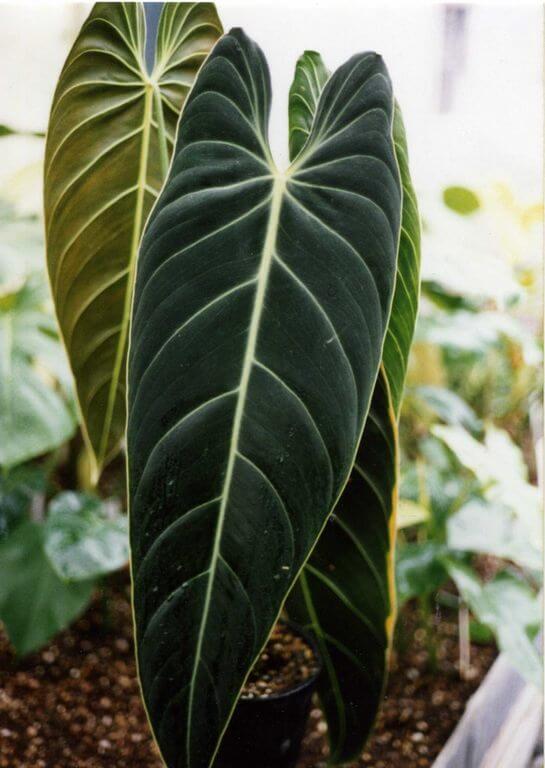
x=84 y=539
x=35 y=603
x=420 y=569
x=449 y=407
x=499 y=466
x=260 y=309
x=497 y=460
x=18 y=487
x=478 y=333
x=35 y=413
x=346 y=592
x=21 y=248
x=493 y=529
x=509 y=607
x=110 y=136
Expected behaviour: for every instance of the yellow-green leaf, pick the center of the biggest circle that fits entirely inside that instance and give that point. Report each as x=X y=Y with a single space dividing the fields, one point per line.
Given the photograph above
x=110 y=137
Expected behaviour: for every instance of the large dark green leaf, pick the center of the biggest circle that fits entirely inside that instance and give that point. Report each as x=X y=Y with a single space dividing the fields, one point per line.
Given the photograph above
x=346 y=592
x=260 y=309
x=35 y=603
x=109 y=140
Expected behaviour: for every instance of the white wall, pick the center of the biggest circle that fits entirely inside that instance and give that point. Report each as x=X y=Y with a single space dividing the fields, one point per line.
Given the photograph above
x=494 y=130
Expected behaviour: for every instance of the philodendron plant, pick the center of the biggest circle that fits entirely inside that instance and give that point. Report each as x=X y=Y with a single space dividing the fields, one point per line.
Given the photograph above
x=272 y=315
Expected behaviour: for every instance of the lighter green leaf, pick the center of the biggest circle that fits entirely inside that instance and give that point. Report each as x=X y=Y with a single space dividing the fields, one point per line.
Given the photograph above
x=109 y=140
x=461 y=199
x=420 y=569
x=410 y=513
x=496 y=530
x=35 y=415
x=83 y=538
x=35 y=603
x=509 y=607
x=18 y=487
x=21 y=248
x=449 y=407
x=499 y=466
x=308 y=83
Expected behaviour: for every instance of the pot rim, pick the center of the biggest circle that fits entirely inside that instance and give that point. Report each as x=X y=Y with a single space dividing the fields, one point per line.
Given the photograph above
x=311 y=681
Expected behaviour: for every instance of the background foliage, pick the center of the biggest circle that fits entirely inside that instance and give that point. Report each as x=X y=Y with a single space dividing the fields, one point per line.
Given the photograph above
x=470 y=516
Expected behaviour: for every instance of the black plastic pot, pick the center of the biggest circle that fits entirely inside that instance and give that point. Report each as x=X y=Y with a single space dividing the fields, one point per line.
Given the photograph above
x=267 y=732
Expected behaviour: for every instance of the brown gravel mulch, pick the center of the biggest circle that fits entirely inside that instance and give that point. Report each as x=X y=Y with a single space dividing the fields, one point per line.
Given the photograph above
x=423 y=702
x=76 y=703
x=286 y=662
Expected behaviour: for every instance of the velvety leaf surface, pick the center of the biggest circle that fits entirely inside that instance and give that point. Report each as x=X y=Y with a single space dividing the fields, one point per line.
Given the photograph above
x=83 y=538
x=260 y=309
x=35 y=603
x=346 y=592
x=110 y=136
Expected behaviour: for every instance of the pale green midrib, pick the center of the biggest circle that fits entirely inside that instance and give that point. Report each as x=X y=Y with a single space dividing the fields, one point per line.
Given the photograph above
x=161 y=132
x=137 y=228
x=249 y=355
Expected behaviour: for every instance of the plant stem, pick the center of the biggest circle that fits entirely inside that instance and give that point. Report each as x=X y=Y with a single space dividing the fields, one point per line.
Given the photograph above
x=426 y=611
x=464 y=641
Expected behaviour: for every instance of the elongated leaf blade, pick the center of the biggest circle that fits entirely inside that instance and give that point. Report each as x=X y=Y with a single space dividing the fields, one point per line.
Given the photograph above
x=346 y=593
x=308 y=83
x=397 y=343
x=110 y=136
x=261 y=304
